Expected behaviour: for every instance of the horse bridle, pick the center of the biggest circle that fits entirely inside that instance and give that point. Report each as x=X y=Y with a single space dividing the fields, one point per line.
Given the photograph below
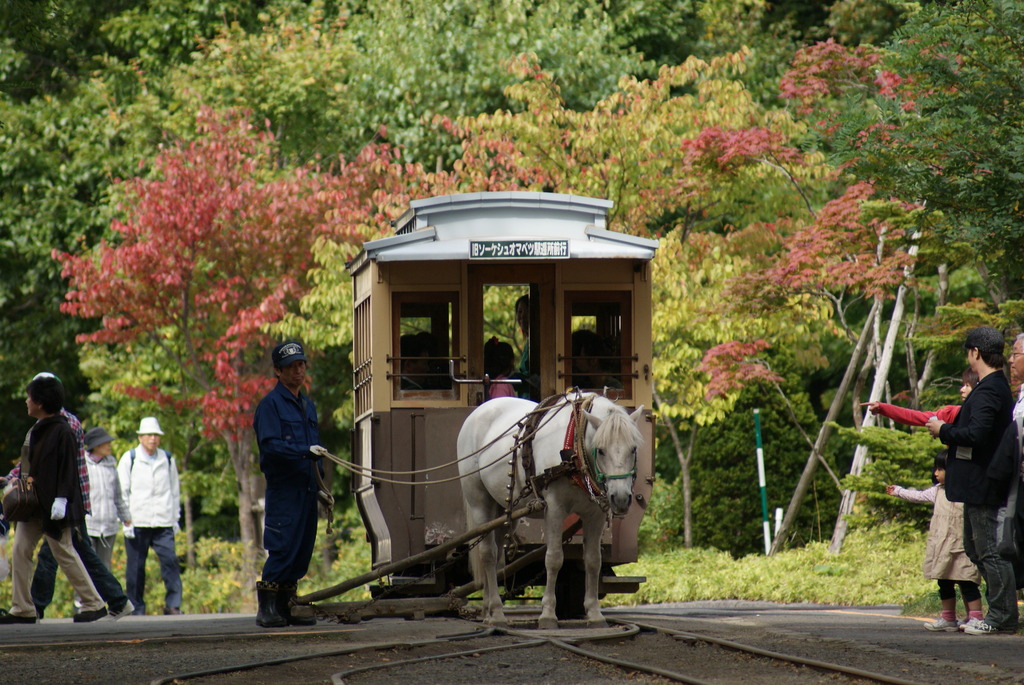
x=601 y=476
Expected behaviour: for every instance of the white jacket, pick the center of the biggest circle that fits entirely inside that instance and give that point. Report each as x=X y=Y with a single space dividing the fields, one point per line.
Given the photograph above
x=109 y=508
x=151 y=488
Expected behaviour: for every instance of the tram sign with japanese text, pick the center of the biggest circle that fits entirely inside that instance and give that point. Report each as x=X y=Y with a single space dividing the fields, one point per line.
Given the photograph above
x=519 y=249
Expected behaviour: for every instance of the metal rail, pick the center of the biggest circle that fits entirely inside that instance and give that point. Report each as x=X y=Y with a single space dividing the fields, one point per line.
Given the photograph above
x=757 y=651
x=530 y=639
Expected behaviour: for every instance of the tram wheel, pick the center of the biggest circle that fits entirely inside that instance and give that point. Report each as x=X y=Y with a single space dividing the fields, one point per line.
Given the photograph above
x=570 y=590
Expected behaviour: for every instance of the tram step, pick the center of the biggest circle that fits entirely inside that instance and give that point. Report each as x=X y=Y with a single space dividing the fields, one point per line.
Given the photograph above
x=621 y=584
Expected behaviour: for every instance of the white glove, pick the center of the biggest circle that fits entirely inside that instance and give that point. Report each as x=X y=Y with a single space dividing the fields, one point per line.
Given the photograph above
x=318 y=450
x=59 y=508
x=129 y=531
x=176 y=527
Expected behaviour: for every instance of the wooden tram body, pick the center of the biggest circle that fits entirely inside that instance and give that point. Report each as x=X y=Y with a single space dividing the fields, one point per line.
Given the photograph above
x=430 y=280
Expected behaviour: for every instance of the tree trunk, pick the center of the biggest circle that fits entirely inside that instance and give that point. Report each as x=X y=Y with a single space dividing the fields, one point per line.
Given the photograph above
x=929 y=360
x=865 y=369
x=824 y=433
x=241 y=452
x=190 y=536
x=684 y=472
x=997 y=287
x=192 y=443
x=688 y=492
x=860 y=453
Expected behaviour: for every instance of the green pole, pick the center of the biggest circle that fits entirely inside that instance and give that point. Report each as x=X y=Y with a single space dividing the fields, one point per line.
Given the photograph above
x=761 y=483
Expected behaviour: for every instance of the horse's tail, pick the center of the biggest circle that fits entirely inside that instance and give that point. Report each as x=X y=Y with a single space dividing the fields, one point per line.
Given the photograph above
x=475 y=564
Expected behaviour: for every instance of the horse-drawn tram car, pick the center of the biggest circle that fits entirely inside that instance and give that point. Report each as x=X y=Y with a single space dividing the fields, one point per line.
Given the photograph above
x=462 y=275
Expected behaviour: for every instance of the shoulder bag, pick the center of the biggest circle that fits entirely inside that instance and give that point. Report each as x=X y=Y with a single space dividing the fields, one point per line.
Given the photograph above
x=21 y=501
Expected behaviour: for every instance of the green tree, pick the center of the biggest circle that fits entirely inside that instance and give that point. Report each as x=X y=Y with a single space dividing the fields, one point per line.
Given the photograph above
x=76 y=112
x=58 y=157
x=291 y=71
x=946 y=130
x=418 y=61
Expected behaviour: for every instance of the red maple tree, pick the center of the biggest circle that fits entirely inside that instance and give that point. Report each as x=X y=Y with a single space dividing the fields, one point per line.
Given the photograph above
x=213 y=246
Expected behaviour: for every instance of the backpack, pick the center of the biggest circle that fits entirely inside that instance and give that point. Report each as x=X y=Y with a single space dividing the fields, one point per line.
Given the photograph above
x=131 y=464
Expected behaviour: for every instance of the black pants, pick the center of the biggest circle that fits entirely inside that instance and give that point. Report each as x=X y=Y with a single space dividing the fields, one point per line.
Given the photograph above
x=947 y=589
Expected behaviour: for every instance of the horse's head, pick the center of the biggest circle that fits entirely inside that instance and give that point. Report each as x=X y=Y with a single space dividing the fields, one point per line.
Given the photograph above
x=614 y=448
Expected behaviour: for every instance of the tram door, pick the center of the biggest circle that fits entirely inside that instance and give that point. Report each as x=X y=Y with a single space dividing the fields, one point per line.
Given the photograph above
x=513 y=304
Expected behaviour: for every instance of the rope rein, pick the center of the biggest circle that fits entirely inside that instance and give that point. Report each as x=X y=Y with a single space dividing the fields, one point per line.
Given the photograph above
x=375 y=474
x=326 y=498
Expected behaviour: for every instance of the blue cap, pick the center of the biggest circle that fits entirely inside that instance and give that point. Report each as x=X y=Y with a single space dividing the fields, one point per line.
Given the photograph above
x=286 y=353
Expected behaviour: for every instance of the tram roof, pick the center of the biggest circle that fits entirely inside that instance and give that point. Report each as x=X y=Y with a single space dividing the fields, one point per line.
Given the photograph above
x=514 y=225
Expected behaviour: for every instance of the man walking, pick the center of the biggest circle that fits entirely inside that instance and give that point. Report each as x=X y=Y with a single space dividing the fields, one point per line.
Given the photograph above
x=45 y=576
x=149 y=484
x=972 y=439
x=287 y=432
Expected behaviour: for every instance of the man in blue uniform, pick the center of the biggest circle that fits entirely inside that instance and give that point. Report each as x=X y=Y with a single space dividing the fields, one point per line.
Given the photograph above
x=286 y=428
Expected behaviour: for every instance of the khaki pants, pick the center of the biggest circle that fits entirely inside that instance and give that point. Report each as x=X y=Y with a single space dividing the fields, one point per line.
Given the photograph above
x=26 y=539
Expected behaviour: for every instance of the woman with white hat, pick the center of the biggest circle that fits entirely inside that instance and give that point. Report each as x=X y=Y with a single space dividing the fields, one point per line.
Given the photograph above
x=149 y=484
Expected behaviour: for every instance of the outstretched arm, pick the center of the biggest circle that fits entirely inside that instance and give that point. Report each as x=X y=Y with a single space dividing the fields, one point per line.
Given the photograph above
x=912 y=495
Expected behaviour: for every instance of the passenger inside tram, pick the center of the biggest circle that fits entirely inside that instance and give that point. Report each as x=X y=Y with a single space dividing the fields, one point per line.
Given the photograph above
x=499 y=365
x=592 y=365
x=418 y=369
x=529 y=382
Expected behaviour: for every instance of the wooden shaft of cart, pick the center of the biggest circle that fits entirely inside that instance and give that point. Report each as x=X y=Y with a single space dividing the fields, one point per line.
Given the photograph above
x=341 y=588
x=528 y=558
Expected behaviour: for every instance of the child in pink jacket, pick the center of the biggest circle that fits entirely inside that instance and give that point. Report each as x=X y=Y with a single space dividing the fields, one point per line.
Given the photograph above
x=944 y=556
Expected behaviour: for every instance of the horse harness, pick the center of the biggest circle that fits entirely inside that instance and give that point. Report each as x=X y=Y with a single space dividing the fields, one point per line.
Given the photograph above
x=574 y=464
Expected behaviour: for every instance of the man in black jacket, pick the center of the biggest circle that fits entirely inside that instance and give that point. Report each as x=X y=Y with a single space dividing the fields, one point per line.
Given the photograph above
x=972 y=439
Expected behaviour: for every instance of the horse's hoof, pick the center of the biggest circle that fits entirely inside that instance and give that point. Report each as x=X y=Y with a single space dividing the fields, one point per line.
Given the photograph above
x=548 y=624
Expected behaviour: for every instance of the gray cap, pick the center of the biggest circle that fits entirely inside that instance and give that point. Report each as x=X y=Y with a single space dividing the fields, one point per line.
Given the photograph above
x=94 y=437
x=986 y=339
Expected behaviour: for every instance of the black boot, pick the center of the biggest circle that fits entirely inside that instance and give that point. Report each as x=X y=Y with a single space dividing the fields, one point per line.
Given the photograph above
x=284 y=606
x=268 y=616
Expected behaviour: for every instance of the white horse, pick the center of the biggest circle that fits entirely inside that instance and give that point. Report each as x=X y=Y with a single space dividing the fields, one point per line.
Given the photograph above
x=611 y=438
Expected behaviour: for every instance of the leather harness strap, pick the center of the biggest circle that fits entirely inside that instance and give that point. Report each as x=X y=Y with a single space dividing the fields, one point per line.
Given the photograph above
x=524 y=438
x=573 y=464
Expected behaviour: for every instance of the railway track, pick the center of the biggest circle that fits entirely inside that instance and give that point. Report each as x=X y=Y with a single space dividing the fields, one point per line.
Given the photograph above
x=720 y=643
x=621 y=652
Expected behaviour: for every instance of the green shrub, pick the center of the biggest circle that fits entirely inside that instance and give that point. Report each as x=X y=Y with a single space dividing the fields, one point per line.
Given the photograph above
x=216 y=584
x=881 y=565
x=875 y=567
x=897 y=457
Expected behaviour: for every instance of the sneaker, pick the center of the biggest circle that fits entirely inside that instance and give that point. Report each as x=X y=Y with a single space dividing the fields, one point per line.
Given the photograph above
x=126 y=610
x=172 y=611
x=90 y=616
x=970 y=622
x=983 y=628
x=943 y=624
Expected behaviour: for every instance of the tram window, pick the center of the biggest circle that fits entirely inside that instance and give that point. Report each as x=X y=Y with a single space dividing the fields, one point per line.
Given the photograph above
x=599 y=354
x=506 y=319
x=424 y=342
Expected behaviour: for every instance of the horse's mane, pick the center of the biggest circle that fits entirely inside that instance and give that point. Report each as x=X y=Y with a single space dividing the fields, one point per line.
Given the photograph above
x=618 y=426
